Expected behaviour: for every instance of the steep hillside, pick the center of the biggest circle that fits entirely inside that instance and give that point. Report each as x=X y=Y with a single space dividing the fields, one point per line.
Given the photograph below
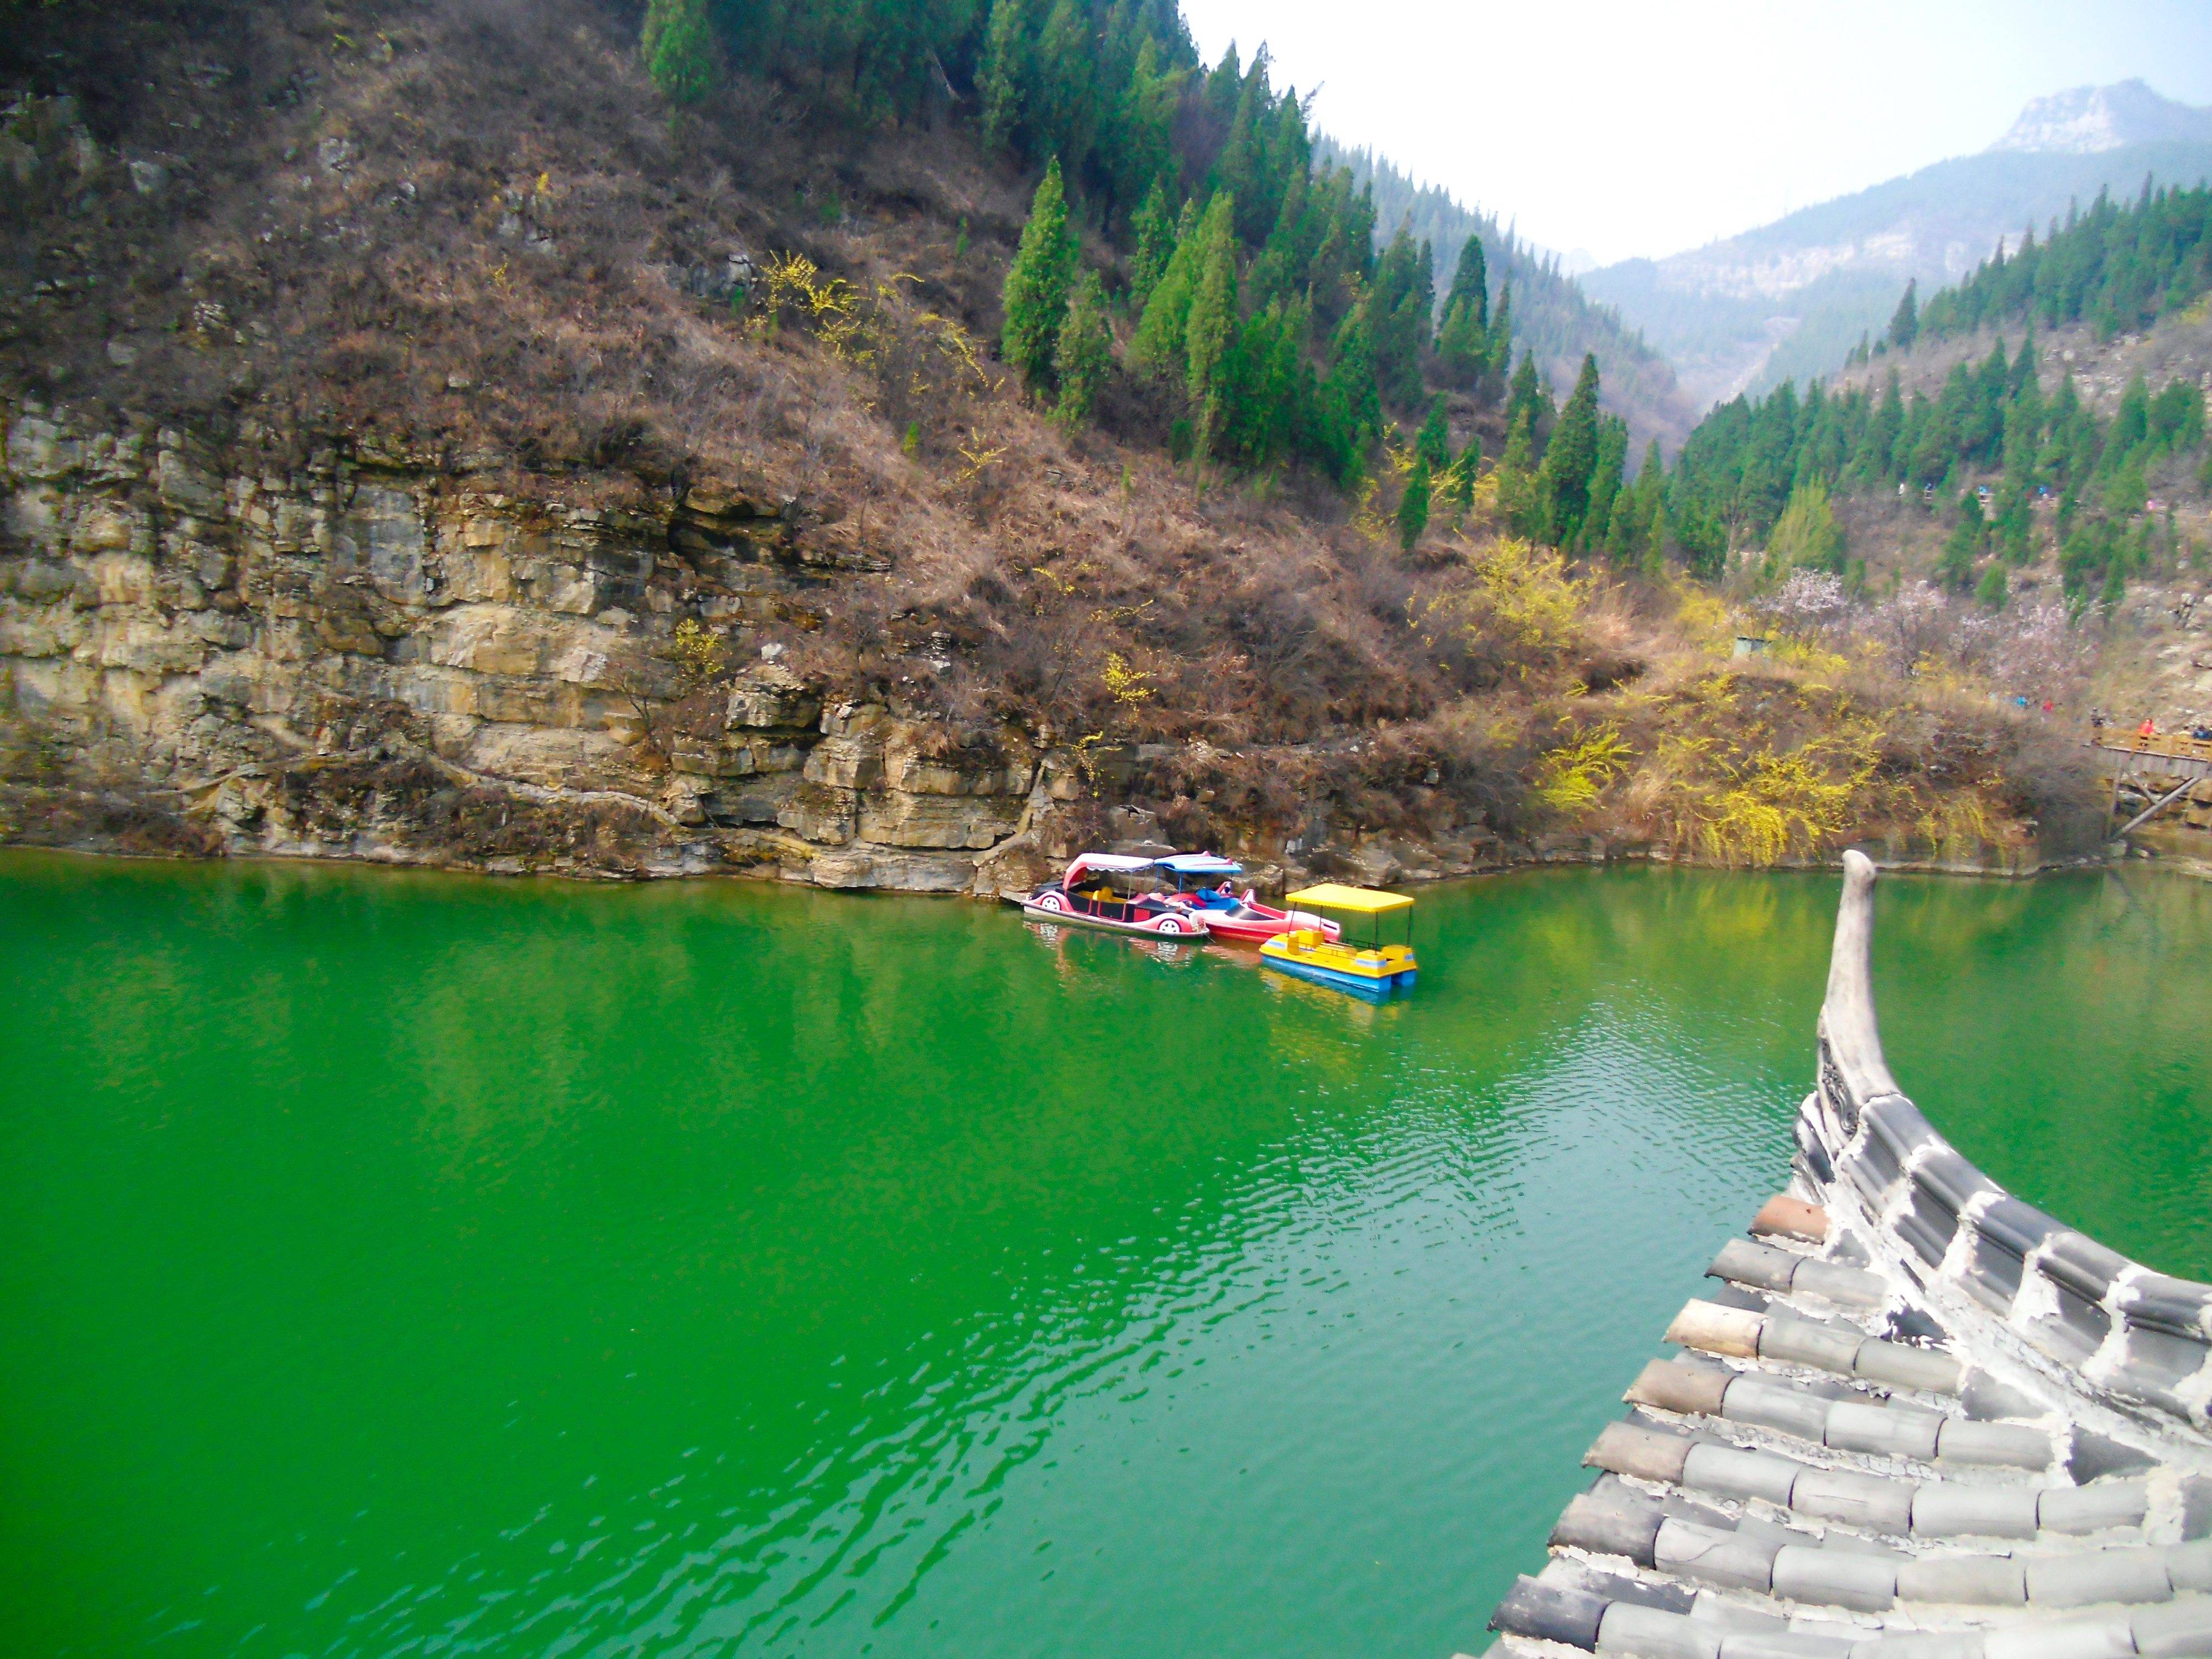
x=424 y=441
x=1551 y=314
x=2018 y=482
x=1789 y=299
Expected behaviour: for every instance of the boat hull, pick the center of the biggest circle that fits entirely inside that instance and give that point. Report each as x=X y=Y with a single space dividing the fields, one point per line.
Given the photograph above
x=1175 y=925
x=1359 y=985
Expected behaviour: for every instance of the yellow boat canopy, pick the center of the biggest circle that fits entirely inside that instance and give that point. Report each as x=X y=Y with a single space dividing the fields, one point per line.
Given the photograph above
x=1365 y=901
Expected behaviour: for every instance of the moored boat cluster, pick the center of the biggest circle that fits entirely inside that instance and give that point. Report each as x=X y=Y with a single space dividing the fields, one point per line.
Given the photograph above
x=1193 y=896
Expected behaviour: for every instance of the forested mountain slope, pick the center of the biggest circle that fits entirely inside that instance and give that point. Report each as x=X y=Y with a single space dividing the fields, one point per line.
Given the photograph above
x=883 y=445
x=1789 y=299
x=1551 y=314
x=2032 y=441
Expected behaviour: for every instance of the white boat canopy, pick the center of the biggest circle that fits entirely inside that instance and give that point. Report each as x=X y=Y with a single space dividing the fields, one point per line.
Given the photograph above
x=1115 y=863
x=1202 y=864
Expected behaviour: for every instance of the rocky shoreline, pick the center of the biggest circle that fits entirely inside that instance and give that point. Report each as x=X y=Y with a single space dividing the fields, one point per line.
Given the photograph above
x=366 y=650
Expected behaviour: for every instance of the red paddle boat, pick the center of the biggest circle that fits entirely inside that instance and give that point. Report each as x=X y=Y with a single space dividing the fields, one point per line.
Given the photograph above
x=1120 y=893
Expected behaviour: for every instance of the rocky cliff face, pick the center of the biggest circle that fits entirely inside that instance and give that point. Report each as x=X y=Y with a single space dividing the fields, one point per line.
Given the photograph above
x=390 y=655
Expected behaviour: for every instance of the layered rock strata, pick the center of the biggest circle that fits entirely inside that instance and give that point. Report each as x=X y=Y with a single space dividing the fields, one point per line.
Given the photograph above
x=1918 y=1419
x=398 y=655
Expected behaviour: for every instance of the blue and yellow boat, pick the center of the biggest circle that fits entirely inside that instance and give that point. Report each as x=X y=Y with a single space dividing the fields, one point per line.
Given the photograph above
x=1359 y=962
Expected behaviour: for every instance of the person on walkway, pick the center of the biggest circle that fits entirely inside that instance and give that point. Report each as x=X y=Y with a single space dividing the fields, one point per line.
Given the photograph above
x=2147 y=729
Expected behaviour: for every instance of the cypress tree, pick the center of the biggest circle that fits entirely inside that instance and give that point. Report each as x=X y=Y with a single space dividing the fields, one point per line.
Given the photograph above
x=1413 y=504
x=1212 y=319
x=1038 y=280
x=1905 y=322
x=1526 y=399
x=1155 y=230
x=1004 y=71
x=1085 y=351
x=1516 y=482
x=1621 y=533
x=1571 y=457
x=1158 y=347
x=1500 y=331
x=1471 y=282
x=1433 y=444
x=1955 y=569
x=680 y=51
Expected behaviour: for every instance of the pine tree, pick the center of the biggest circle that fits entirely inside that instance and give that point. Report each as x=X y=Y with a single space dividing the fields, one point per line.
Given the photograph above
x=1159 y=346
x=1516 y=479
x=1413 y=504
x=1993 y=590
x=1038 y=283
x=1526 y=399
x=1500 y=331
x=1904 y=323
x=1212 y=319
x=1462 y=350
x=1085 y=353
x=1622 y=533
x=680 y=51
x=1005 y=70
x=1155 y=230
x=1955 y=568
x=1433 y=444
x=1471 y=282
x=1571 y=457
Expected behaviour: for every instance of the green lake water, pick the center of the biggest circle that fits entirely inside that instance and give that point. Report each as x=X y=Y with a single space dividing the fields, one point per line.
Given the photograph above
x=393 y=1263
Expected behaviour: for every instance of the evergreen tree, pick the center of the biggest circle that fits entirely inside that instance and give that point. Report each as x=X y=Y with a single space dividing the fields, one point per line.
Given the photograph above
x=1571 y=457
x=1005 y=72
x=1607 y=482
x=1955 y=568
x=1471 y=284
x=1035 y=297
x=1212 y=319
x=1433 y=444
x=680 y=51
x=1526 y=399
x=1159 y=347
x=1413 y=504
x=1085 y=351
x=1905 y=322
x=1156 y=232
x=1623 y=535
x=1500 y=333
x=1516 y=477
x=1462 y=349
x=1992 y=590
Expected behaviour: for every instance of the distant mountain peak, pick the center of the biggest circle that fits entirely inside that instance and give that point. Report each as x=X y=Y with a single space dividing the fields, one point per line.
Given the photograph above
x=2084 y=120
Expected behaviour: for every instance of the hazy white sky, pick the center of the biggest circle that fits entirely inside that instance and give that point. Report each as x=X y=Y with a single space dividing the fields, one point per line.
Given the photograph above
x=1645 y=128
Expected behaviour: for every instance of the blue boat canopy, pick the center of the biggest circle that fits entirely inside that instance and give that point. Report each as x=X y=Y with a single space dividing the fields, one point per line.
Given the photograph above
x=1201 y=864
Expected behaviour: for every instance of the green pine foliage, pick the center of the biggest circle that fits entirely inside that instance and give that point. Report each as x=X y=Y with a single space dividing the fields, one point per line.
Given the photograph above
x=1083 y=353
x=1155 y=229
x=1433 y=442
x=1564 y=478
x=1413 y=504
x=1212 y=326
x=679 y=49
x=1905 y=322
x=2050 y=459
x=1037 y=283
x=2117 y=268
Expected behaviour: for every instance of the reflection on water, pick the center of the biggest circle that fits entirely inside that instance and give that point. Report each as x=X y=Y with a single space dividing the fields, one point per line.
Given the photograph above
x=402 y=1264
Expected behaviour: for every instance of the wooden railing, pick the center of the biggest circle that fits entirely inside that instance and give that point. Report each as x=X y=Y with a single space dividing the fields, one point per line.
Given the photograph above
x=2173 y=745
